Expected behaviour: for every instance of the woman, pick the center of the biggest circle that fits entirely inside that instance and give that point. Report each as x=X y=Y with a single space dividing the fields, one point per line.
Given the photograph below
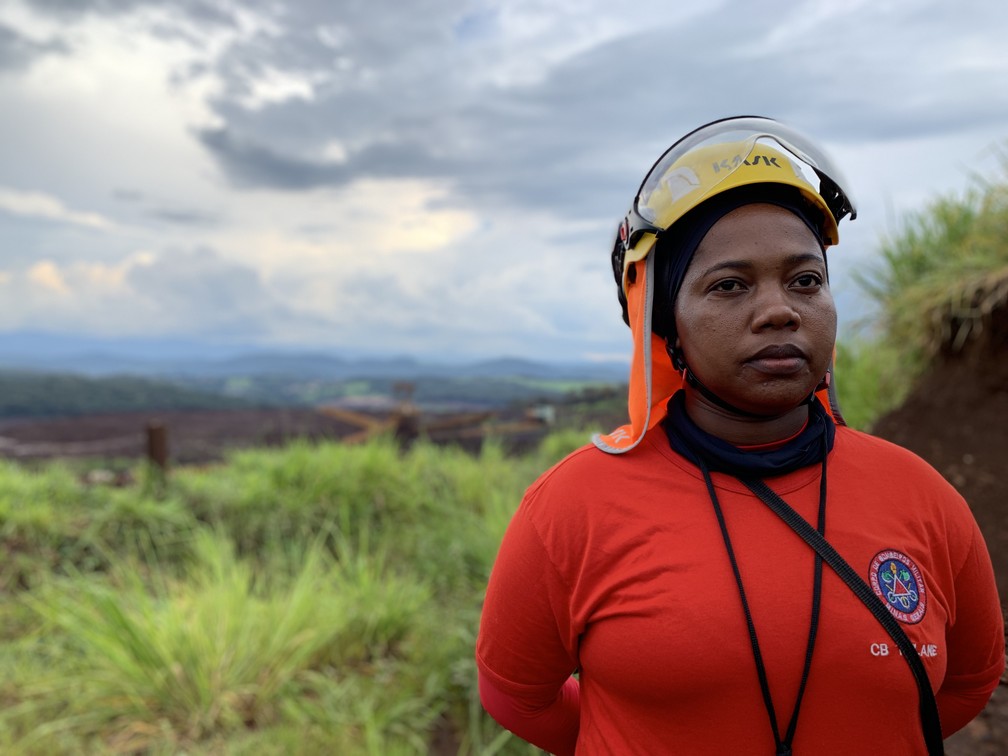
x=653 y=594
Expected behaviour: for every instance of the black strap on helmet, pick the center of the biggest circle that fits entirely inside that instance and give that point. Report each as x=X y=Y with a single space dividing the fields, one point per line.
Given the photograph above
x=690 y=377
x=617 y=258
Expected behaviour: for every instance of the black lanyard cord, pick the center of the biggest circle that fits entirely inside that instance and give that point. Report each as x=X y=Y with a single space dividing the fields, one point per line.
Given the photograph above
x=816 y=607
x=930 y=722
x=783 y=746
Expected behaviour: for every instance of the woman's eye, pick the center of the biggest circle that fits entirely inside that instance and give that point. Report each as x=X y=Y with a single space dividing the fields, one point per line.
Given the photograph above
x=808 y=281
x=727 y=285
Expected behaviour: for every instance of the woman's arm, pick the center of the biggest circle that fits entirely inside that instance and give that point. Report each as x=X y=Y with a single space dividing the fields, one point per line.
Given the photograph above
x=976 y=641
x=526 y=651
x=549 y=724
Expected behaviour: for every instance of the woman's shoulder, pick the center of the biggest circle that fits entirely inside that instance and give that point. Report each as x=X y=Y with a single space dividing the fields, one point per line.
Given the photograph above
x=581 y=466
x=589 y=463
x=894 y=471
x=876 y=451
x=589 y=475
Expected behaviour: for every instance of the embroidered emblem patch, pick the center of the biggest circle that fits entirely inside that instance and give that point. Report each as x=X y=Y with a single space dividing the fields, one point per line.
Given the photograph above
x=897 y=581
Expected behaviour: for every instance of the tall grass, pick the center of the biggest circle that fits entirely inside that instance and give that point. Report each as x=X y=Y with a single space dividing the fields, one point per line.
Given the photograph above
x=231 y=648
x=41 y=519
x=315 y=599
x=955 y=246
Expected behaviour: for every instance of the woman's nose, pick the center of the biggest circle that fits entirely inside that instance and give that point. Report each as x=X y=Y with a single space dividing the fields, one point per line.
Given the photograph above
x=775 y=310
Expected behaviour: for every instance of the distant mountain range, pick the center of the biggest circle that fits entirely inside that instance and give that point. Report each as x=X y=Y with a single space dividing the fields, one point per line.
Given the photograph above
x=179 y=359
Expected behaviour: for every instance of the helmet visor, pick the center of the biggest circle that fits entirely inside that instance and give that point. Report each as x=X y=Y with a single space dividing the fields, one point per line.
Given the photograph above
x=739 y=139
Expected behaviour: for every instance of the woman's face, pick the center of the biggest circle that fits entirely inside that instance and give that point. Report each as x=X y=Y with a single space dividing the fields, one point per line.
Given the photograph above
x=755 y=318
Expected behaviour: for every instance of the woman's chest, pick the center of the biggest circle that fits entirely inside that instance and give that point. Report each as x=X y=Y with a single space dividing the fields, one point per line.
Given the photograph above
x=659 y=605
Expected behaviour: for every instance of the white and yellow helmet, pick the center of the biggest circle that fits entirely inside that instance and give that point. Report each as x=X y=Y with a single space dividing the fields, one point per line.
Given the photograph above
x=720 y=156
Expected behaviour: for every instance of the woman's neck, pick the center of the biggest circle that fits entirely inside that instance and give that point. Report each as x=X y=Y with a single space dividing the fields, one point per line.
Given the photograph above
x=739 y=430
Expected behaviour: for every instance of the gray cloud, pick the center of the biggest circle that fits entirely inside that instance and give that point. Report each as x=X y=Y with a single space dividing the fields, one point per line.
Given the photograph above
x=184 y=277
x=17 y=51
x=181 y=217
x=127 y=195
x=197 y=291
x=205 y=11
x=578 y=140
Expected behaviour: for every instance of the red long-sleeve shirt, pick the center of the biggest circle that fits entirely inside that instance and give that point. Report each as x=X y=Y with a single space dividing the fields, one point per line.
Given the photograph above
x=615 y=567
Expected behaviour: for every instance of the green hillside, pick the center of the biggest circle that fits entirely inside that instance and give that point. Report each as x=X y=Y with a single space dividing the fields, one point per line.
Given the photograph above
x=28 y=394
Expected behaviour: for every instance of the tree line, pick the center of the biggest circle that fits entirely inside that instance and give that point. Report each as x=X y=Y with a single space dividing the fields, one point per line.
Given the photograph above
x=30 y=394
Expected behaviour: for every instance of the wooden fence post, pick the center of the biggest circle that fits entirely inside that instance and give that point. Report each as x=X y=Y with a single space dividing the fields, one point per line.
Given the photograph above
x=157 y=445
x=407 y=418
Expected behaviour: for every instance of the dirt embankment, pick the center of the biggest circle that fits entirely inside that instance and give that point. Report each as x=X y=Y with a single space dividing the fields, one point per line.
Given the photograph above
x=957 y=419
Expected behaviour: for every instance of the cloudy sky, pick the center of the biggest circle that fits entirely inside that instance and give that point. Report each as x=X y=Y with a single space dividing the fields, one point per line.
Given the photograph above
x=434 y=177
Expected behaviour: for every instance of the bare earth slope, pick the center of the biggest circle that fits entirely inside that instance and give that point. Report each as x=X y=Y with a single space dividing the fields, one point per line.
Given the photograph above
x=957 y=419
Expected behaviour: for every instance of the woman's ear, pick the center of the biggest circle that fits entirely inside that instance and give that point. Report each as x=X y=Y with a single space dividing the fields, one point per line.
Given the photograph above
x=675 y=354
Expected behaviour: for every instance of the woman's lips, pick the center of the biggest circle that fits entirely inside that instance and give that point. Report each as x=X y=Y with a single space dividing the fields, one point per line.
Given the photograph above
x=785 y=359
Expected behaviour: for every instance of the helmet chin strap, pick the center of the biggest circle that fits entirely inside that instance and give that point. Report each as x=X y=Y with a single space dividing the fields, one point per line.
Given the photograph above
x=679 y=363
